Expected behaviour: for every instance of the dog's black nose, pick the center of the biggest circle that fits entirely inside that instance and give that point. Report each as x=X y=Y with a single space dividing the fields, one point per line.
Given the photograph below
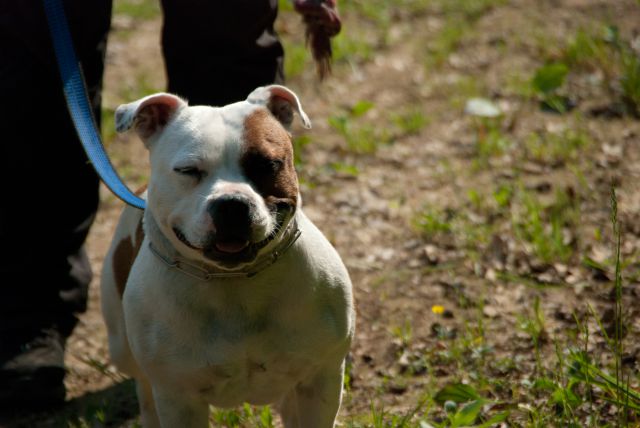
x=231 y=215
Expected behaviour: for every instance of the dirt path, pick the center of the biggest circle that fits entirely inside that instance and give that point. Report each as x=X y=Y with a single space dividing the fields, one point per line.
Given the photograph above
x=503 y=223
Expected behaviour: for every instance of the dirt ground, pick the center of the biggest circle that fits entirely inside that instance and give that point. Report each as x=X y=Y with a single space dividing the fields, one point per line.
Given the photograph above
x=419 y=216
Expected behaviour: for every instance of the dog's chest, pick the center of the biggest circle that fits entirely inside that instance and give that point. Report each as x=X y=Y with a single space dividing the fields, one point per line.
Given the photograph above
x=251 y=372
x=234 y=353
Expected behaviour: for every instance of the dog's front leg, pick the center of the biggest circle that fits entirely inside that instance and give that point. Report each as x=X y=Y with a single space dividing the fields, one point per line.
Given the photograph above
x=315 y=404
x=148 y=415
x=177 y=409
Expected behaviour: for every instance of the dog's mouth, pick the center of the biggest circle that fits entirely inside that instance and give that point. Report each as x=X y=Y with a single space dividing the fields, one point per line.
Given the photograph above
x=183 y=238
x=231 y=246
x=226 y=249
x=229 y=250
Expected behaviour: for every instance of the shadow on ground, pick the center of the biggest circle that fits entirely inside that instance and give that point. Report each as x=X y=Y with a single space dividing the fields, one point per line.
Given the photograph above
x=110 y=407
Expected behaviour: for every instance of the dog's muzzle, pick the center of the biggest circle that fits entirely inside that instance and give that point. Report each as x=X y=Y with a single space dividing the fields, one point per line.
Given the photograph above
x=232 y=221
x=231 y=240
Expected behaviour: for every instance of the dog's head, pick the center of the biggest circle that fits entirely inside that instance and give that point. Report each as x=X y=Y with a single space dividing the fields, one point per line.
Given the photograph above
x=223 y=182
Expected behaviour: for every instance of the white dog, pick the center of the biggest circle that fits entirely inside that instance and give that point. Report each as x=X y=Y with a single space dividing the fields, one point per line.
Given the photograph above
x=222 y=291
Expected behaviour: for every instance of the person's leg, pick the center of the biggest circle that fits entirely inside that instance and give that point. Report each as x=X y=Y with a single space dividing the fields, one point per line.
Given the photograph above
x=50 y=195
x=218 y=52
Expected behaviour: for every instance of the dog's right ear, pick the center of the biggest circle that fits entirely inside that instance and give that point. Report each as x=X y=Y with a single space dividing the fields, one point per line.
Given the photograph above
x=148 y=115
x=281 y=102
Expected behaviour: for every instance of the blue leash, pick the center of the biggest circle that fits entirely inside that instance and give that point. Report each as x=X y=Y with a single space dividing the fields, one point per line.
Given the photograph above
x=78 y=104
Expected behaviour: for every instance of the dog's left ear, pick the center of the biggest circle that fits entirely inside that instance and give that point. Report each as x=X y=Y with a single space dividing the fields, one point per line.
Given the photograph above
x=148 y=115
x=281 y=101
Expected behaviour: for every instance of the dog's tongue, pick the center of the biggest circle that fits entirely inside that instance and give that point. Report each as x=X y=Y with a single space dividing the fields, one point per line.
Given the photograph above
x=231 y=246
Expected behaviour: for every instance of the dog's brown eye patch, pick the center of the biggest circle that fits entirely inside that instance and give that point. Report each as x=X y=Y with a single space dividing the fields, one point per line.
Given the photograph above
x=257 y=166
x=267 y=160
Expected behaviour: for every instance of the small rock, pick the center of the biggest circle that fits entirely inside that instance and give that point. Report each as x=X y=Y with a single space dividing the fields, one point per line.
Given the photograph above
x=490 y=311
x=572 y=278
x=414 y=263
x=482 y=107
x=561 y=269
x=612 y=153
x=491 y=275
x=546 y=278
x=403 y=361
x=431 y=254
x=386 y=254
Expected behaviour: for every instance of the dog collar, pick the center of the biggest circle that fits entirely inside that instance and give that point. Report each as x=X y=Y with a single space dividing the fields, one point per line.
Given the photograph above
x=193 y=270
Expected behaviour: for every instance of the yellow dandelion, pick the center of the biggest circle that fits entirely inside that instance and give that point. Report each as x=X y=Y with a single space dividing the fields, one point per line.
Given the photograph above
x=437 y=309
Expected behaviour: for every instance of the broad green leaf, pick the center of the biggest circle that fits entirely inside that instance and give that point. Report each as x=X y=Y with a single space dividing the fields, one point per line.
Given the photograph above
x=544 y=383
x=458 y=392
x=494 y=420
x=361 y=107
x=339 y=123
x=550 y=77
x=467 y=414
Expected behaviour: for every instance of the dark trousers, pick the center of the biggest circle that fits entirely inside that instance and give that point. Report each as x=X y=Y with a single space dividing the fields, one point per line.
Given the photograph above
x=215 y=52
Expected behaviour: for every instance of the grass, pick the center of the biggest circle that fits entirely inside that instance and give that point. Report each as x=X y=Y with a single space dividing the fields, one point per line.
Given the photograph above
x=299 y=144
x=247 y=416
x=454 y=227
x=448 y=39
x=630 y=81
x=459 y=17
x=359 y=139
x=108 y=125
x=581 y=384
x=471 y=10
x=432 y=222
x=296 y=60
x=586 y=51
x=352 y=48
x=463 y=88
x=582 y=366
x=542 y=225
x=137 y=9
x=409 y=122
x=142 y=86
x=590 y=50
x=360 y=135
x=403 y=333
x=460 y=406
x=556 y=148
x=491 y=141
x=534 y=327
x=578 y=381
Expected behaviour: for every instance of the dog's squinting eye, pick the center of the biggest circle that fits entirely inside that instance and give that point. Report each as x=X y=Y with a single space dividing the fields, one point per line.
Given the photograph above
x=264 y=166
x=190 y=171
x=275 y=165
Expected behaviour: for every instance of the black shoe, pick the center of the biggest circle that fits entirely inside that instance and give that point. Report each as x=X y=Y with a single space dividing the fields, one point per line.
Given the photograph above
x=32 y=368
